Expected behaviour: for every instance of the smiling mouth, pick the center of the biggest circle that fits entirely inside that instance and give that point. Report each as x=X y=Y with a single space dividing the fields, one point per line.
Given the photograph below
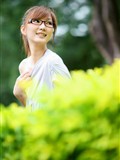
x=41 y=34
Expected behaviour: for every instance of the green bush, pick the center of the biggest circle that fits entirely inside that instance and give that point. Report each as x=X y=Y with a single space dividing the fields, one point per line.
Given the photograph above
x=80 y=121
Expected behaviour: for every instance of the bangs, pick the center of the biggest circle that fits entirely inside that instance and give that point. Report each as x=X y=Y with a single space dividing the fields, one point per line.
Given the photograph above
x=40 y=13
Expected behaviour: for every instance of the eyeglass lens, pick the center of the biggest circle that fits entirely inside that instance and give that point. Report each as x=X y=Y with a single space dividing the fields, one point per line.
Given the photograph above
x=48 y=23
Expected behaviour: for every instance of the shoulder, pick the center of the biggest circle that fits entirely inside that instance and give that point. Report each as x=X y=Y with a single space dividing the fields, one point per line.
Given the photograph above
x=22 y=65
x=57 y=65
x=54 y=58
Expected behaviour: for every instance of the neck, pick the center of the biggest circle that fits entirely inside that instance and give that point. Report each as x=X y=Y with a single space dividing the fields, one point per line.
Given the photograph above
x=37 y=52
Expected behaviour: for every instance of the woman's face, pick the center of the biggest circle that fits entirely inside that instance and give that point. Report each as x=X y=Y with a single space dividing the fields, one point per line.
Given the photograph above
x=38 y=30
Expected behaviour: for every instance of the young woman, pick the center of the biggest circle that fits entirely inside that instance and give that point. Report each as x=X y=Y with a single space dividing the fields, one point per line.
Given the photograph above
x=38 y=28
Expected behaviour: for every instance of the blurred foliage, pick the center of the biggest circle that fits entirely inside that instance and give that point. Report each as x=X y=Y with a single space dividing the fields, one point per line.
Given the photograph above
x=73 y=43
x=79 y=122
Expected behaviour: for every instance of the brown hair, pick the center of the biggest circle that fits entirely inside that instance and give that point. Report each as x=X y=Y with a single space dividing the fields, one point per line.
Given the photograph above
x=37 y=12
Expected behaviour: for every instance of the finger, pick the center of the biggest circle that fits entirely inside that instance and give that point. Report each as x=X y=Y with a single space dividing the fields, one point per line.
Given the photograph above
x=27 y=74
x=28 y=78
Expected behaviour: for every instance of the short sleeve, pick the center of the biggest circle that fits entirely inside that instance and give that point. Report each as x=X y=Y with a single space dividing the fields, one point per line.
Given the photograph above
x=59 y=69
x=21 y=66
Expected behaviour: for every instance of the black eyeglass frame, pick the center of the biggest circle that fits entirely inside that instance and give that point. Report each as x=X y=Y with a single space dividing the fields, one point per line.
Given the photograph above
x=41 y=21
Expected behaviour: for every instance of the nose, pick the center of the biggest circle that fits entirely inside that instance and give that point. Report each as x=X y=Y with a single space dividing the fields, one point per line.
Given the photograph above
x=42 y=26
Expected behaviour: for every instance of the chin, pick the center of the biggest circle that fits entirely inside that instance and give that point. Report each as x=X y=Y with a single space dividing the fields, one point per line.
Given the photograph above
x=40 y=41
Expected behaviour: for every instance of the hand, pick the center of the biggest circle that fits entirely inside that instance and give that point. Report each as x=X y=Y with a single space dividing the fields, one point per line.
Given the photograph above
x=20 y=86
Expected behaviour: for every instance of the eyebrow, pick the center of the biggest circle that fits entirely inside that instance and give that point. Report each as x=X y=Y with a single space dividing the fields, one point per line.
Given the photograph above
x=48 y=18
x=43 y=18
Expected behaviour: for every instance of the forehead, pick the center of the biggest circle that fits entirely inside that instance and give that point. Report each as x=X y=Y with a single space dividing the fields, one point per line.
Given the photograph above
x=40 y=14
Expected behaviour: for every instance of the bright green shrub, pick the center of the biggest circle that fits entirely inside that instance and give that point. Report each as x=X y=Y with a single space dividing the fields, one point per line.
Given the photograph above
x=80 y=121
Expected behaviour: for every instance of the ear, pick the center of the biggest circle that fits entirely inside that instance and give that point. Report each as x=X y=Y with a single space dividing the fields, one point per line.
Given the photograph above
x=23 y=30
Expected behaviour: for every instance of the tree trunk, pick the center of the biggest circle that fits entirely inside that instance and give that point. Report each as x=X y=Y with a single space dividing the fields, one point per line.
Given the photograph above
x=105 y=28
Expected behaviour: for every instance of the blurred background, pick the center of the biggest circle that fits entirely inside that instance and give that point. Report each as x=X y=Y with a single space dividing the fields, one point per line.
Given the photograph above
x=88 y=36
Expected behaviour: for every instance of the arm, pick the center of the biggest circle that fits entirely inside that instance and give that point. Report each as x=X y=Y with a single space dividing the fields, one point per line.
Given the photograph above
x=19 y=91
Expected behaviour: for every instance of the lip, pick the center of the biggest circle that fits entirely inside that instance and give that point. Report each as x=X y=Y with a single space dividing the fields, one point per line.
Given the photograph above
x=41 y=33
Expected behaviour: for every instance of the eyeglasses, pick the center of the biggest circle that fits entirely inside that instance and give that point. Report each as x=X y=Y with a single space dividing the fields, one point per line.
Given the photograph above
x=38 y=22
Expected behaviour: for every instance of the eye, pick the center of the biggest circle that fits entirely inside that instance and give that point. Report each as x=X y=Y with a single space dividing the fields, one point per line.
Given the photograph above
x=37 y=21
x=49 y=23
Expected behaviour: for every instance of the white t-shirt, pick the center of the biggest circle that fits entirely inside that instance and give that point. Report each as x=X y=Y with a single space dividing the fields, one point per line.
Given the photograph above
x=44 y=74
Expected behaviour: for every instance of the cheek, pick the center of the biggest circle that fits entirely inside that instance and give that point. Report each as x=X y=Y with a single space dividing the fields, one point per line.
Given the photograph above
x=49 y=37
x=50 y=34
x=30 y=34
x=30 y=30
